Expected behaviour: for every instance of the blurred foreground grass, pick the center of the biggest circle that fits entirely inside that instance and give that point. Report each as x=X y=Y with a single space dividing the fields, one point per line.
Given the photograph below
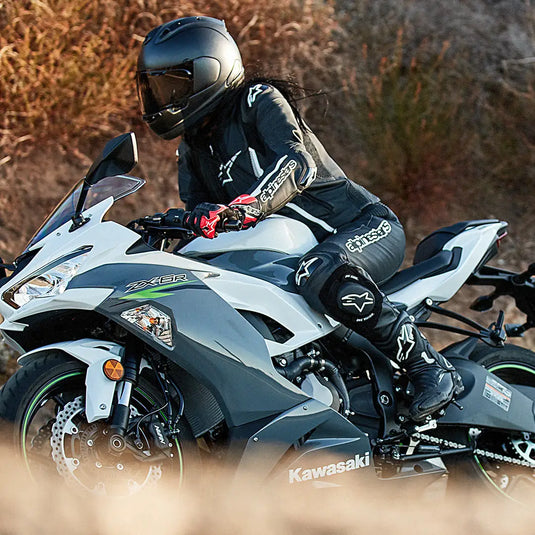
x=218 y=504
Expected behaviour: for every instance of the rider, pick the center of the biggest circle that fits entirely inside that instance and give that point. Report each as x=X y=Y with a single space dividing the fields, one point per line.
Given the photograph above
x=247 y=153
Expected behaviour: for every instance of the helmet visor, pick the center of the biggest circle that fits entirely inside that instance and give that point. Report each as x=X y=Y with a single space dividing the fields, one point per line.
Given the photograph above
x=162 y=89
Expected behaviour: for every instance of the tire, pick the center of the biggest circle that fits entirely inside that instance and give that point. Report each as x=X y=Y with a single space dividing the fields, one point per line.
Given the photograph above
x=42 y=408
x=513 y=364
x=516 y=366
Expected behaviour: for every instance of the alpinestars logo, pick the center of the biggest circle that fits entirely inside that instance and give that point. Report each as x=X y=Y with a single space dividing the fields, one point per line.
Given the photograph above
x=224 y=170
x=155 y=281
x=406 y=342
x=273 y=186
x=359 y=301
x=304 y=272
x=358 y=243
x=254 y=91
x=297 y=475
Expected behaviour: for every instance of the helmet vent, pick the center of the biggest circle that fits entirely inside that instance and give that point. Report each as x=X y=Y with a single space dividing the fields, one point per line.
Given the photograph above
x=169 y=29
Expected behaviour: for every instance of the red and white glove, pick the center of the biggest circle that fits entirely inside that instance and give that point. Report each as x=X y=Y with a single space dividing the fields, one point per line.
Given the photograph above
x=203 y=219
x=249 y=208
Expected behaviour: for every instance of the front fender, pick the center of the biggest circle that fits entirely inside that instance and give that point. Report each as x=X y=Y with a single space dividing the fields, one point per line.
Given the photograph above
x=99 y=389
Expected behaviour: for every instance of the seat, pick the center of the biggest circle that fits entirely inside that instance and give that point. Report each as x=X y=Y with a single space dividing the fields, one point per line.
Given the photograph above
x=434 y=242
x=442 y=262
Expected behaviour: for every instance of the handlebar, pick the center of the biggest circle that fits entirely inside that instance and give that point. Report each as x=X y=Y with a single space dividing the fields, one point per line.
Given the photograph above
x=175 y=224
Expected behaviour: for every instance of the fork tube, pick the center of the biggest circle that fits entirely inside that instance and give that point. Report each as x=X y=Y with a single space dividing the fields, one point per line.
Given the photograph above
x=121 y=411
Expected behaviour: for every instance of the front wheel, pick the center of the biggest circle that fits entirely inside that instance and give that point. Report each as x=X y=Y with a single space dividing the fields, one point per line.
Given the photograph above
x=44 y=405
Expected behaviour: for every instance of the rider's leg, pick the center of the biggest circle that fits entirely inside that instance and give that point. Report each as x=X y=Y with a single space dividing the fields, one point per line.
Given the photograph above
x=331 y=281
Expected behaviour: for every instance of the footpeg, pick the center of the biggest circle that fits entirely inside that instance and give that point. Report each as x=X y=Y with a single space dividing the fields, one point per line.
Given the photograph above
x=457 y=404
x=431 y=424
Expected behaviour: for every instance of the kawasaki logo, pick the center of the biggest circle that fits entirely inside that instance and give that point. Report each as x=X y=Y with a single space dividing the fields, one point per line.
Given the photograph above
x=297 y=475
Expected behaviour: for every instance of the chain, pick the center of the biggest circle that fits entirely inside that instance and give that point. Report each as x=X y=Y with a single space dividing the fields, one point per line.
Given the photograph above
x=483 y=453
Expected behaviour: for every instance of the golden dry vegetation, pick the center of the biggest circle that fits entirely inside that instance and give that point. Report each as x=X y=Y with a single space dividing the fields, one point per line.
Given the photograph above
x=219 y=503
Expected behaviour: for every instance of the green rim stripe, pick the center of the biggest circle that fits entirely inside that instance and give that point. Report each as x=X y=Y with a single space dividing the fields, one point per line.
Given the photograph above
x=37 y=398
x=492 y=370
x=511 y=366
x=492 y=482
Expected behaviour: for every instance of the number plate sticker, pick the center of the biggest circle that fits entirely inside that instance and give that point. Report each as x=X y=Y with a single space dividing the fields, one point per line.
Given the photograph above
x=497 y=393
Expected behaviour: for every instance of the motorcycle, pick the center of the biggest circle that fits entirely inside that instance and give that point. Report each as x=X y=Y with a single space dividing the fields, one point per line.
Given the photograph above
x=139 y=360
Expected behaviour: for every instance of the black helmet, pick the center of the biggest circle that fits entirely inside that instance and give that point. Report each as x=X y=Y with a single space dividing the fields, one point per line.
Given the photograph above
x=184 y=69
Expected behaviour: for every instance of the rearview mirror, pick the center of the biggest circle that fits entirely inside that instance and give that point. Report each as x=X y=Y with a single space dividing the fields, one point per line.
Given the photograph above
x=118 y=157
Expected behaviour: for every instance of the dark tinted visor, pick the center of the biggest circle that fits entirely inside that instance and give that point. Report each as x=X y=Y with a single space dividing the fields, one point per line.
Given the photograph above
x=161 y=89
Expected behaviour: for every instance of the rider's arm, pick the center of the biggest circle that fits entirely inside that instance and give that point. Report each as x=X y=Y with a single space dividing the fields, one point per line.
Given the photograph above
x=270 y=120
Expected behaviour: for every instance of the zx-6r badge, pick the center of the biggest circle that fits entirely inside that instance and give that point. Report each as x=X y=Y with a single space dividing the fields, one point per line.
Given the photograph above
x=152 y=288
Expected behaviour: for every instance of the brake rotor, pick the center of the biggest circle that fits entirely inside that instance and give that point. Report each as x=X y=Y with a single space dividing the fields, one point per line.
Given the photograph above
x=78 y=461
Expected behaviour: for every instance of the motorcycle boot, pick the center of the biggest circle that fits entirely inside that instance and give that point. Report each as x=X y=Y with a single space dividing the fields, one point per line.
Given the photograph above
x=348 y=294
x=434 y=379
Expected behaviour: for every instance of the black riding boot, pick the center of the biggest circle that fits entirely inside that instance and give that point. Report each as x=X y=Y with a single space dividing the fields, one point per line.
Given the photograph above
x=434 y=379
x=391 y=330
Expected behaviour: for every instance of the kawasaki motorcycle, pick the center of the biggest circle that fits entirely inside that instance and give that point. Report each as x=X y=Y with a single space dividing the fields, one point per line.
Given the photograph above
x=142 y=356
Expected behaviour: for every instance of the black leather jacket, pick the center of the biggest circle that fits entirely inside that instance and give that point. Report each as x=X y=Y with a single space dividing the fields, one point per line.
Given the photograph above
x=261 y=150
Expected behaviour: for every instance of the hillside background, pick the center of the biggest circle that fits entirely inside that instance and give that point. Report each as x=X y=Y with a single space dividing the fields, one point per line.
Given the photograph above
x=430 y=105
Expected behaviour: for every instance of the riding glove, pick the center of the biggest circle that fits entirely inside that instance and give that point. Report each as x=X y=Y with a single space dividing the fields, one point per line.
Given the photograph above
x=203 y=219
x=249 y=209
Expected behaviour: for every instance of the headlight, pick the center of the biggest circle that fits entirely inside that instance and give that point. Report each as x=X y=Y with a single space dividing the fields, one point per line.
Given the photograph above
x=152 y=321
x=50 y=281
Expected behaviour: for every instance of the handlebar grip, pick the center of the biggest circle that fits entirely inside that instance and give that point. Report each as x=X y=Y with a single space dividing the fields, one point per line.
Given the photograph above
x=231 y=225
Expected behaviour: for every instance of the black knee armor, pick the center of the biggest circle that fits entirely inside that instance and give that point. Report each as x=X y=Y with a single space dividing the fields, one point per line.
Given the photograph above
x=343 y=291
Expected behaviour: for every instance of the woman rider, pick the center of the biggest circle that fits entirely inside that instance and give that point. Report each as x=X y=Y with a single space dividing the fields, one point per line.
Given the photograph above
x=245 y=152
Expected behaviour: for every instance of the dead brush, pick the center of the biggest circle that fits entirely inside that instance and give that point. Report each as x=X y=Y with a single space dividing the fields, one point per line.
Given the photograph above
x=68 y=65
x=443 y=106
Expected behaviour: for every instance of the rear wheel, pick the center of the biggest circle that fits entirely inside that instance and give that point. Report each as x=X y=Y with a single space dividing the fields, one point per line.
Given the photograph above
x=514 y=364
x=44 y=405
x=506 y=469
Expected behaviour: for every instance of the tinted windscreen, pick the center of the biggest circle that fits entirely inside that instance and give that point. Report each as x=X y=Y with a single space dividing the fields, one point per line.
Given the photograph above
x=113 y=186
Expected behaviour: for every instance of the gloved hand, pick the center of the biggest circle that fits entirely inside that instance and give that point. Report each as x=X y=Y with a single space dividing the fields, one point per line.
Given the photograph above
x=249 y=208
x=204 y=218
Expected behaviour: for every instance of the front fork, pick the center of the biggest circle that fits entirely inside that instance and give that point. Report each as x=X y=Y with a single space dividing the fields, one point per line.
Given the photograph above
x=121 y=411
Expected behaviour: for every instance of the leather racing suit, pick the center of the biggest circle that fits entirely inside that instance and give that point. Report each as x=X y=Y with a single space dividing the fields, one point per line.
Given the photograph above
x=266 y=153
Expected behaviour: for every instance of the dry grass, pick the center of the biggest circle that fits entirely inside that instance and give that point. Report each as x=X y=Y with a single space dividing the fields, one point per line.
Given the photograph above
x=427 y=100
x=444 y=105
x=68 y=66
x=220 y=504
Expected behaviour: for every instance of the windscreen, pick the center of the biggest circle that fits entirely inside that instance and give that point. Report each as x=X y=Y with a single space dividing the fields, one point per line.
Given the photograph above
x=118 y=186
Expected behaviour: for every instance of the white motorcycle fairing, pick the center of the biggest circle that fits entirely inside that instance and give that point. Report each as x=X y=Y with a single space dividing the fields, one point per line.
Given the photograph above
x=94 y=353
x=111 y=245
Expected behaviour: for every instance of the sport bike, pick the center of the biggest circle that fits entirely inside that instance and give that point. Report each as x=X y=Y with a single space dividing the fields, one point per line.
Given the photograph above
x=145 y=351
